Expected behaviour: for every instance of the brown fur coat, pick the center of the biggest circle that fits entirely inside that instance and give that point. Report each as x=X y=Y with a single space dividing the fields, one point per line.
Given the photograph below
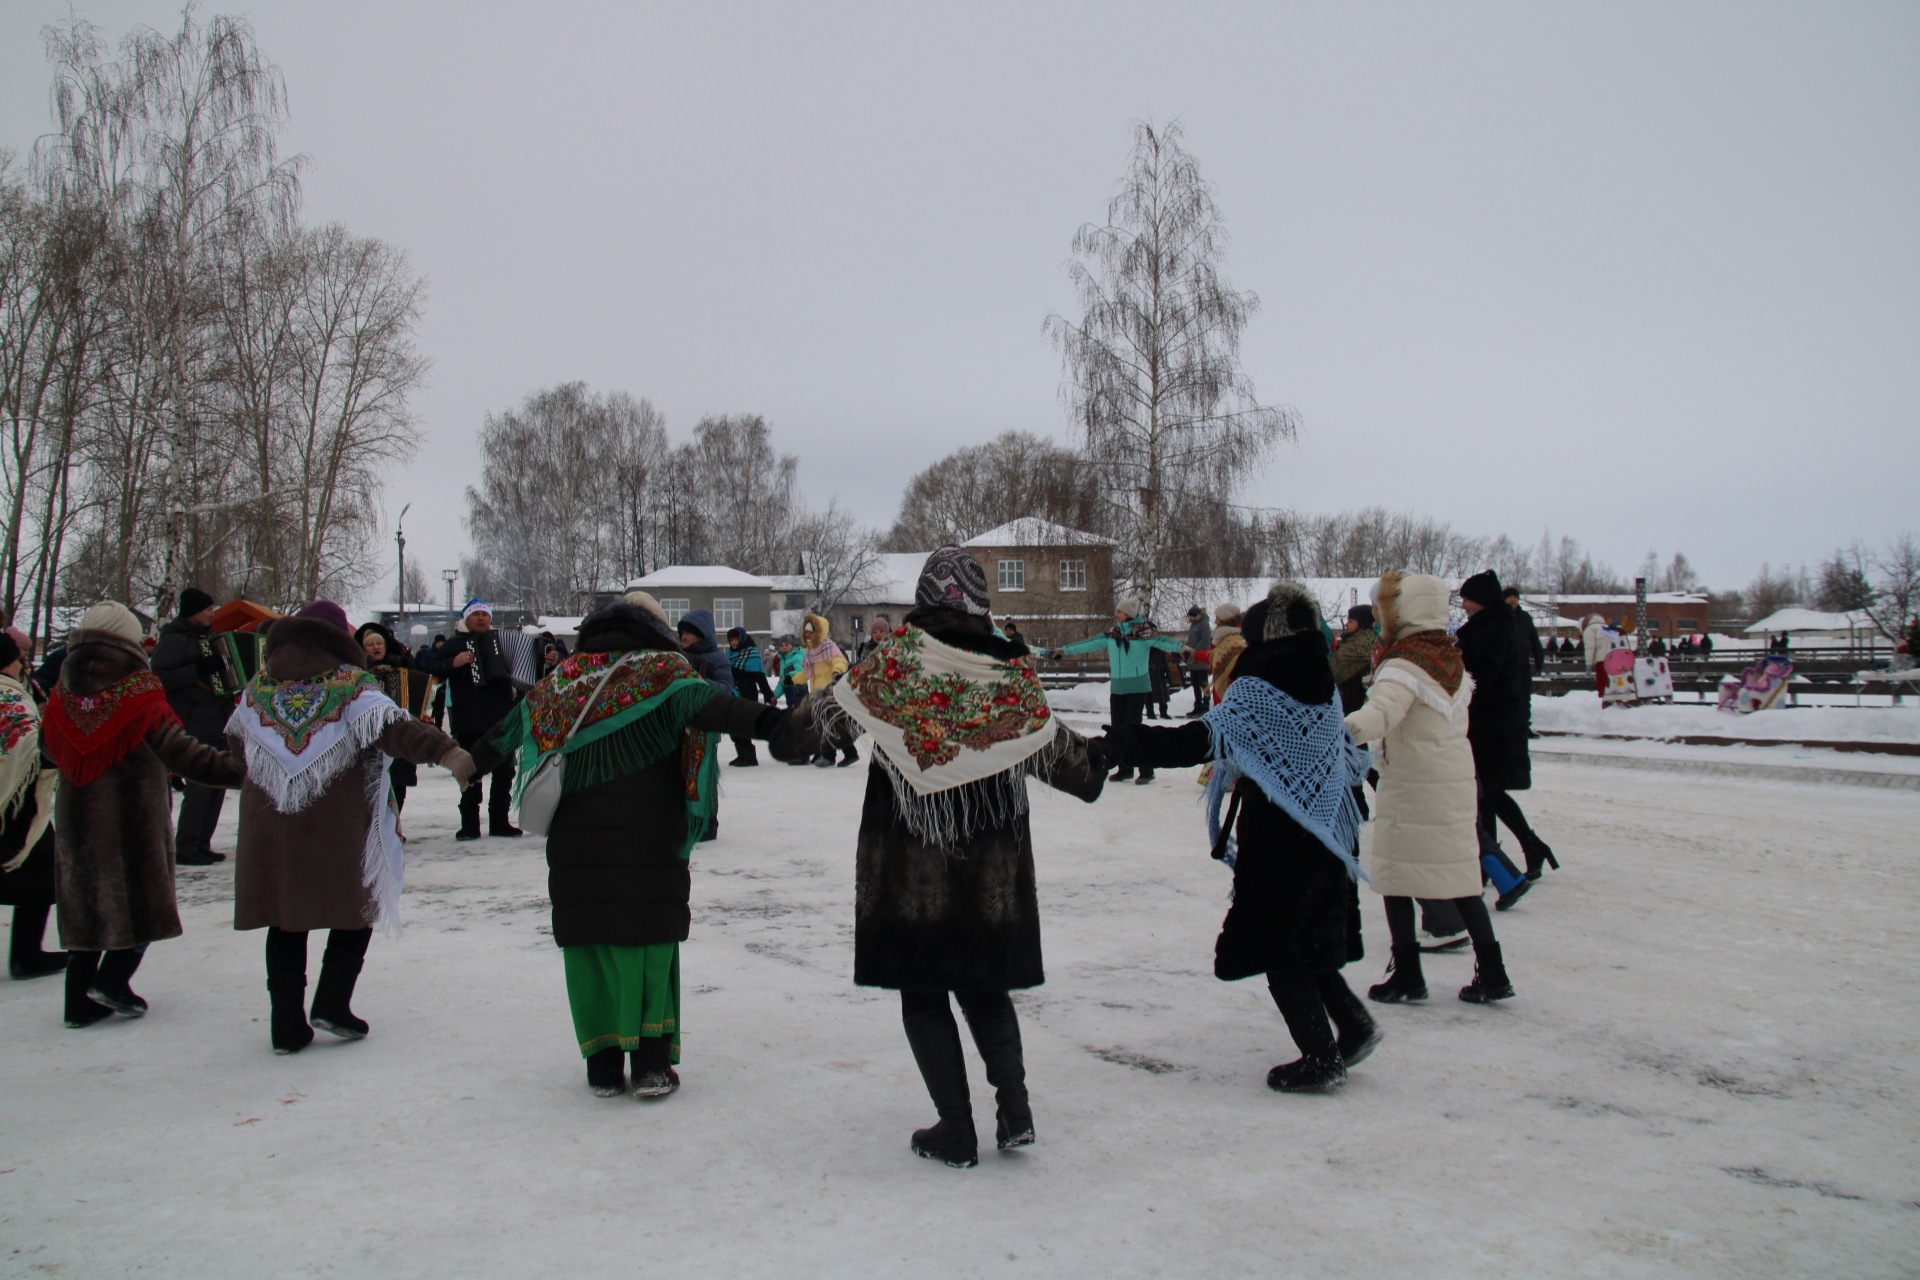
x=115 y=847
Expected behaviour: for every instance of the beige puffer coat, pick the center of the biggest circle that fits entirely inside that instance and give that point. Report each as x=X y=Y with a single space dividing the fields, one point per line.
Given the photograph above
x=1424 y=844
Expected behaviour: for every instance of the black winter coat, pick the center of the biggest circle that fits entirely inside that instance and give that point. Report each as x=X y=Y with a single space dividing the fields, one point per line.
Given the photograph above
x=614 y=871
x=476 y=708
x=1531 y=650
x=926 y=919
x=1502 y=696
x=1295 y=909
x=178 y=662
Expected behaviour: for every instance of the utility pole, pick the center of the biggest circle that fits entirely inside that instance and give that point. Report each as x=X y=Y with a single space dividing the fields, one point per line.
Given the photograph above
x=450 y=575
x=400 y=582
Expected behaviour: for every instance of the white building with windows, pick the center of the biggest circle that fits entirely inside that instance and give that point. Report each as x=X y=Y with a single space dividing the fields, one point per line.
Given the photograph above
x=736 y=599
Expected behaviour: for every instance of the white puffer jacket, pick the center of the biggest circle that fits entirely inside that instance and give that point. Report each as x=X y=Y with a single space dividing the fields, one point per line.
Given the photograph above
x=1424 y=844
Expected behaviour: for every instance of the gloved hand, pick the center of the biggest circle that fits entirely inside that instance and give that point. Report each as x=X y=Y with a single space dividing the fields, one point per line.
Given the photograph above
x=789 y=735
x=460 y=765
x=1121 y=743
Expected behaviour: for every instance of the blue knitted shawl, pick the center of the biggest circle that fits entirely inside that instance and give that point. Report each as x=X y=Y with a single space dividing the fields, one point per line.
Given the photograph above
x=1300 y=756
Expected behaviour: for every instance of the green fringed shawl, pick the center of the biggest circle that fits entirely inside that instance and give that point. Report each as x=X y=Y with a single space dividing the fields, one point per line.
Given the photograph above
x=638 y=717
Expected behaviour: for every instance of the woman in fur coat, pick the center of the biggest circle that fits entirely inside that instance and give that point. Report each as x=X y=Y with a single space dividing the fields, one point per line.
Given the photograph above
x=1284 y=758
x=27 y=786
x=638 y=794
x=114 y=738
x=319 y=845
x=1425 y=834
x=944 y=896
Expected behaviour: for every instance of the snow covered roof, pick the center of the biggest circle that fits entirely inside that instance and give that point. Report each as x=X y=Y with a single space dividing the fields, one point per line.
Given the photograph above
x=565 y=628
x=1797 y=619
x=1548 y=598
x=1032 y=531
x=698 y=575
x=1174 y=596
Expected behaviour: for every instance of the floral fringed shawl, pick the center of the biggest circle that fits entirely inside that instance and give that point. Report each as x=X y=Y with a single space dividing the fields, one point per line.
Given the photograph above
x=305 y=734
x=639 y=716
x=956 y=731
x=87 y=734
x=20 y=773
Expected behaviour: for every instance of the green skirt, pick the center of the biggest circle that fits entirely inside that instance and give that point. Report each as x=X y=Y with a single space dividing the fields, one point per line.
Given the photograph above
x=621 y=994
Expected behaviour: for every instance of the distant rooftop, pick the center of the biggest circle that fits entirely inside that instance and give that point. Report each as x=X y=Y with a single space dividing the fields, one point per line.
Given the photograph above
x=1032 y=531
x=698 y=575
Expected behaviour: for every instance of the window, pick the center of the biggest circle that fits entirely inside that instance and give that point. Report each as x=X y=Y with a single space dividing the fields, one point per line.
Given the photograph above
x=728 y=613
x=1013 y=575
x=1687 y=624
x=676 y=609
x=1073 y=575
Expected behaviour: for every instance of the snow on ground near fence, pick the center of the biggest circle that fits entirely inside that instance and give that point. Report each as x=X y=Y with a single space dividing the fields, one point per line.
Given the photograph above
x=1582 y=713
x=1709 y=1071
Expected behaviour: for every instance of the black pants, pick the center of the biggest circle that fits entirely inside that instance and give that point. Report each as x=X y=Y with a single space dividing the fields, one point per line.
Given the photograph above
x=1472 y=914
x=1307 y=1001
x=199 y=814
x=1487 y=808
x=499 y=800
x=1502 y=805
x=1125 y=709
x=1202 y=690
x=1162 y=686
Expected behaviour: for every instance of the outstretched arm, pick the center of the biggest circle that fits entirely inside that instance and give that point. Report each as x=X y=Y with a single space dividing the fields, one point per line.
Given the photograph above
x=194 y=760
x=1386 y=706
x=1076 y=766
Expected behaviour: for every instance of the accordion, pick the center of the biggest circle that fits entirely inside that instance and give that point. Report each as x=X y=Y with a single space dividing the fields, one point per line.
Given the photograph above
x=237 y=655
x=411 y=690
x=504 y=657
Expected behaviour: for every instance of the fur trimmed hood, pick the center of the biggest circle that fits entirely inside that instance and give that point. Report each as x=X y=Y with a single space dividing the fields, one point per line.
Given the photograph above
x=1404 y=603
x=814 y=630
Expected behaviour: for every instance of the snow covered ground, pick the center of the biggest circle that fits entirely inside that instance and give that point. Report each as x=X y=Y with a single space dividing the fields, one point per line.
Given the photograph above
x=1710 y=1071
x=1582 y=713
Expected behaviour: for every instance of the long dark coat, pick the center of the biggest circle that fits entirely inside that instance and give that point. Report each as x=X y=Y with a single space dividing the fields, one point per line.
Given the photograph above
x=115 y=844
x=303 y=871
x=1502 y=689
x=614 y=871
x=926 y=919
x=1295 y=909
x=175 y=661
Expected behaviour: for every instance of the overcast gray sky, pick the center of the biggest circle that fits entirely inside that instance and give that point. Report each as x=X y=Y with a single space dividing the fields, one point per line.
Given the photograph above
x=1644 y=273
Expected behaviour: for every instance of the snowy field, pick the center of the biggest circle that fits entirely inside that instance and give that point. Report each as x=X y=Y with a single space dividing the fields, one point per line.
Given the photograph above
x=1710 y=1071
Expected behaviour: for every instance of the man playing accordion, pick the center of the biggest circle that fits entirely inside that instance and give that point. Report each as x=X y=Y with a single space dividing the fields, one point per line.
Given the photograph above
x=478 y=675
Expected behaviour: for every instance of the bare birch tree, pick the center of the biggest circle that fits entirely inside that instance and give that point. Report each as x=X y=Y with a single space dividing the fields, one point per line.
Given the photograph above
x=1153 y=373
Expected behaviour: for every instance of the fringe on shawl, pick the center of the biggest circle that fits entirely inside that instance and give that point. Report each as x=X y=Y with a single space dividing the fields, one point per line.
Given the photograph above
x=1428 y=690
x=1236 y=762
x=948 y=820
x=291 y=793
x=44 y=790
x=600 y=753
x=383 y=858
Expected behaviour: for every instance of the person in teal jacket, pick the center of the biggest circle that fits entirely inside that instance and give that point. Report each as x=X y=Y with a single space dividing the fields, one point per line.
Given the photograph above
x=1129 y=645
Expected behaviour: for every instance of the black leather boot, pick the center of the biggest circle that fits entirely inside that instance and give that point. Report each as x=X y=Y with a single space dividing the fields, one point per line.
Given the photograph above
x=25 y=959
x=112 y=985
x=1319 y=1067
x=1404 y=980
x=607 y=1072
x=1490 y=981
x=287 y=994
x=339 y=971
x=1359 y=1034
x=82 y=1011
x=653 y=1073
x=996 y=1034
x=935 y=1041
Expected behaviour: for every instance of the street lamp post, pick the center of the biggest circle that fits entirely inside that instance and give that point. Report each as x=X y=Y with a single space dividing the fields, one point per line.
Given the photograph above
x=450 y=575
x=400 y=583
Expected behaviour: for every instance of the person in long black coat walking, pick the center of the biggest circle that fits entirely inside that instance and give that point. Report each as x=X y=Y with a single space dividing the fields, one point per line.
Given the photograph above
x=1296 y=906
x=187 y=669
x=1490 y=647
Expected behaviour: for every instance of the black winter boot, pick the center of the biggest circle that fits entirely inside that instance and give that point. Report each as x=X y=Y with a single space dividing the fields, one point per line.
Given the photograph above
x=745 y=754
x=110 y=987
x=25 y=959
x=1360 y=1035
x=339 y=971
x=996 y=1034
x=287 y=993
x=606 y=1072
x=1490 y=981
x=653 y=1073
x=848 y=756
x=82 y=966
x=1319 y=1067
x=1404 y=981
x=935 y=1041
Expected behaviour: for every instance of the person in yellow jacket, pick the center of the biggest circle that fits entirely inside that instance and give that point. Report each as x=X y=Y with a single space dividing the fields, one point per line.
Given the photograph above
x=824 y=663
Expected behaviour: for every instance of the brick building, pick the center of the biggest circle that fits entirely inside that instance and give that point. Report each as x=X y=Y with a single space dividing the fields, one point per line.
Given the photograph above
x=1056 y=582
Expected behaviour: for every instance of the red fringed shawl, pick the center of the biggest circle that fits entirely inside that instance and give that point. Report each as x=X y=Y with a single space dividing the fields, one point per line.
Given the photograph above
x=1431 y=651
x=87 y=734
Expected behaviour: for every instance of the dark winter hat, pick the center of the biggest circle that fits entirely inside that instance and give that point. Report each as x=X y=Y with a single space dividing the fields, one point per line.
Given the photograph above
x=1362 y=614
x=1511 y=593
x=375 y=629
x=1288 y=610
x=952 y=579
x=1195 y=611
x=193 y=600
x=737 y=633
x=328 y=612
x=1482 y=588
x=9 y=649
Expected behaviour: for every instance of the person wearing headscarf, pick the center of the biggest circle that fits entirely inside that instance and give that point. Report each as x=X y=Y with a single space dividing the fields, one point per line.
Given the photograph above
x=1285 y=767
x=320 y=846
x=114 y=739
x=944 y=891
x=1425 y=836
x=632 y=724
x=28 y=782
x=184 y=662
x=1228 y=645
x=392 y=666
x=749 y=681
x=475 y=707
x=1132 y=647
x=824 y=662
